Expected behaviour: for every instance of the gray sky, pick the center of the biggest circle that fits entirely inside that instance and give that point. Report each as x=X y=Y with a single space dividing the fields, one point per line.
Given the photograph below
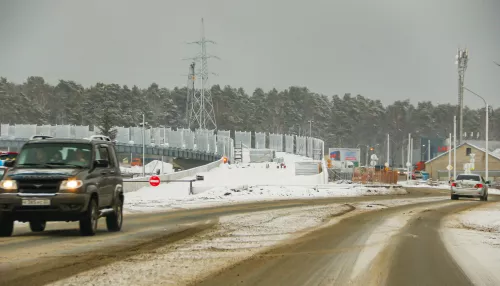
x=384 y=49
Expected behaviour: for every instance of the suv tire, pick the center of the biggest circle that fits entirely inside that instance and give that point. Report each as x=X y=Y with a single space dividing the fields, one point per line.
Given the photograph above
x=88 y=223
x=6 y=225
x=114 y=220
x=454 y=197
x=37 y=225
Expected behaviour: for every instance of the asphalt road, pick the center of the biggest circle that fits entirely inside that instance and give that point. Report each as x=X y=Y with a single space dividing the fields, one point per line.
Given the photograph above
x=414 y=256
x=324 y=257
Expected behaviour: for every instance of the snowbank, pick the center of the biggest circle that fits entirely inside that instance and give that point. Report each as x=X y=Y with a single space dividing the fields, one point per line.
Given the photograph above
x=425 y=184
x=473 y=239
x=244 y=183
x=151 y=167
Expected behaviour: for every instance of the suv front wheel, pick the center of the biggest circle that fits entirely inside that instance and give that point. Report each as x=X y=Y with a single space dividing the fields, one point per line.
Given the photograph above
x=114 y=220
x=88 y=223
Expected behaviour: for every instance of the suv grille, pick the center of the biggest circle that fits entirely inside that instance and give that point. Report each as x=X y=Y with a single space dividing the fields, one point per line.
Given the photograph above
x=38 y=186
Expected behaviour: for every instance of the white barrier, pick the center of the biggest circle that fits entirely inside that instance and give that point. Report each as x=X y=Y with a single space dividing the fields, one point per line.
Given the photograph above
x=132 y=186
x=260 y=140
x=242 y=137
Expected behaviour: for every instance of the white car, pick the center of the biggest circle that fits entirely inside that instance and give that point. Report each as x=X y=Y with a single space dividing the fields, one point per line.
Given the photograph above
x=99 y=137
x=470 y=186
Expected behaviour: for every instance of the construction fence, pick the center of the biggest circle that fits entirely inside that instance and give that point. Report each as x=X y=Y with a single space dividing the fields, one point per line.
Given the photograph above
x=372 y=176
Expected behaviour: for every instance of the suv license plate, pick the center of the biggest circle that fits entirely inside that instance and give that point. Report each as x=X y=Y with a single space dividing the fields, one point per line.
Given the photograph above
x=36 y=202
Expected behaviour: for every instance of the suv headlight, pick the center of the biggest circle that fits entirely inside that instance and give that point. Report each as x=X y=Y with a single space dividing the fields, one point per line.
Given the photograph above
x=8 y=185
x=71 y=185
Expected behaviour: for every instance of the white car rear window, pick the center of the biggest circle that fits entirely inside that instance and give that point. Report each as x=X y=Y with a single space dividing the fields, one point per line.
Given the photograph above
x=468 y=178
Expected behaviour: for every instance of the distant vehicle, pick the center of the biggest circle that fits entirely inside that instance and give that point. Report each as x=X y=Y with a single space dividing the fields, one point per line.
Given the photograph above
x=425 y=175
x=470 y=186
x=5 y=155
x=40 y=137
x=100 y=137
x=417 y=175
x=402 y=171
x=419 y=166
x=136 y=162
x=62 y=180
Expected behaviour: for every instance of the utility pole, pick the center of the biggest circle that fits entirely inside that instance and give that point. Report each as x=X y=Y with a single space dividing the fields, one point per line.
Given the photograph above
x=408 y=164
x=202 y=114
x=388 y=153
x=454 y=147
x=192 y=114
x=411 y=154
x=143 y=145
x=449 y=156
x=429 y=150
x=462 y=59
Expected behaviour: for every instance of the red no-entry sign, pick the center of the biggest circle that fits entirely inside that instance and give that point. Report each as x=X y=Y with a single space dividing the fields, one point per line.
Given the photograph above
x=154 y=181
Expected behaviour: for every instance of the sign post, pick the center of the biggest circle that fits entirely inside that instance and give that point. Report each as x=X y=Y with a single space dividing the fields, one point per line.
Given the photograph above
x=154 y=181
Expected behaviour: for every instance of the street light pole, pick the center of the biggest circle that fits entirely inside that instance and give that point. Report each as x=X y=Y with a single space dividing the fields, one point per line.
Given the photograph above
x=143 y=145
x=449 y=156
x=429 y=150
x=408 y=158
x=310 y=127
x=454 y=147
x=486 y=169
x=388 y=146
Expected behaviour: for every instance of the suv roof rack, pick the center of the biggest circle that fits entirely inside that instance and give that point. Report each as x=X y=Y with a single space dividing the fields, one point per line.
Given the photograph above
x=35 y=137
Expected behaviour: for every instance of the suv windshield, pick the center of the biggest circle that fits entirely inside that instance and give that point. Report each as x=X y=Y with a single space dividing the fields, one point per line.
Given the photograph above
x=55 y=154
x=468 y=178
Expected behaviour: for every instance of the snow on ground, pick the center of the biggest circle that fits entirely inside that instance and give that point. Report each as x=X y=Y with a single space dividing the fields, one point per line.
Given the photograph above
x=150 y=168
x=244 y=183
x=147 y=200
x=473 y=239
x=237 y=237
x=493 y=191
x=421 y=183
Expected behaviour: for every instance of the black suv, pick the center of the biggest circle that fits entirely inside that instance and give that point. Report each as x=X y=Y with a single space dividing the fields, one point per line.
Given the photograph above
x=62 y=180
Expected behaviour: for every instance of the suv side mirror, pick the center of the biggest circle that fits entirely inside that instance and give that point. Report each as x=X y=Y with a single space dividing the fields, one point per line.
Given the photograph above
x=9 y=163
x=101 y=163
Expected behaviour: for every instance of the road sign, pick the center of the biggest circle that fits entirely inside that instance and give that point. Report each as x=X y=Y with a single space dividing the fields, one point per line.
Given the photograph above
x=386 y=164
x=154 y=181
x=449 y=167
x=408 y=164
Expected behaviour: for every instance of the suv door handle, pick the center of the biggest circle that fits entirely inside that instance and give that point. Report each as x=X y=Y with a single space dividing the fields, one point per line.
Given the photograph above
x=104 y=172
x=112 y=172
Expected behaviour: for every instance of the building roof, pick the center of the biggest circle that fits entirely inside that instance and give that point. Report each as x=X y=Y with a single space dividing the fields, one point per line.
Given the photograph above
x=494 y=155
x=492 y=145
